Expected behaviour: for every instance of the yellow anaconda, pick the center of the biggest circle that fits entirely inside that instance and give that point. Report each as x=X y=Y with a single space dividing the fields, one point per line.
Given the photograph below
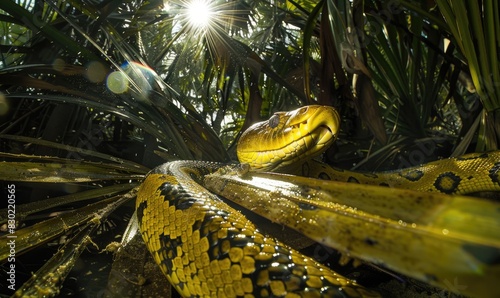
x=288 y=137
x=206 y=248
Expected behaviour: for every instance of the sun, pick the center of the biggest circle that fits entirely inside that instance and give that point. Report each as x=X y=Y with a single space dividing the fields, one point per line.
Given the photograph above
x=200 y=13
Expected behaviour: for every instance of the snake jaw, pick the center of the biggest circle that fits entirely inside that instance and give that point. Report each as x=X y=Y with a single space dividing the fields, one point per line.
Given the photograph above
x=322 y=126
x=326 y=136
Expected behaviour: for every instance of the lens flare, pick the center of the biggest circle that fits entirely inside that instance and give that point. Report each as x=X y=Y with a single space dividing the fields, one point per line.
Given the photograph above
x=135 y=74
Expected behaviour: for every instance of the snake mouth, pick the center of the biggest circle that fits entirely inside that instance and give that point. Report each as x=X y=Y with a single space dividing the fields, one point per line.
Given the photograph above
x=320 y=135
x=314 y=136
x=317 y=141
x=326 y=135
x=325 y=125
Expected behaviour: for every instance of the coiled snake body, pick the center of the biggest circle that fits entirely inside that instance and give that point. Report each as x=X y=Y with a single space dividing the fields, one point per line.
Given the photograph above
x=466 y=174
x=206 y=248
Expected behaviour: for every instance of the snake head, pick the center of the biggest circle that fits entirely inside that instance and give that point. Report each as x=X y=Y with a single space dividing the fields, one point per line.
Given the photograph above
x=288 y=137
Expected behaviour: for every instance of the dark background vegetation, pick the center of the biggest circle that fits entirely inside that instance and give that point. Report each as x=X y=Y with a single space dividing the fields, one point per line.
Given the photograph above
x=413 y=80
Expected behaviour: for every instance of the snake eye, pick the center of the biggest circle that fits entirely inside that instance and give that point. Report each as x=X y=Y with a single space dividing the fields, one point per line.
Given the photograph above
x=274 y=121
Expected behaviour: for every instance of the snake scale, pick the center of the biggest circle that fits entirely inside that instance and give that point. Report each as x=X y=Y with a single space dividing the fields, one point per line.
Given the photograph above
x=208 y=249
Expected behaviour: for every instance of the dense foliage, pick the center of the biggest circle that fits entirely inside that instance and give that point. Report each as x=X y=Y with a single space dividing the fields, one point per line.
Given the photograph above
x=149 y=81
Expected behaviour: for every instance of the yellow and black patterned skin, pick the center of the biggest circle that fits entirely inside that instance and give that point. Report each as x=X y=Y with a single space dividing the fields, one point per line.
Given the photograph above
x=207 y=249
x=287 y=141
x=466 y=174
